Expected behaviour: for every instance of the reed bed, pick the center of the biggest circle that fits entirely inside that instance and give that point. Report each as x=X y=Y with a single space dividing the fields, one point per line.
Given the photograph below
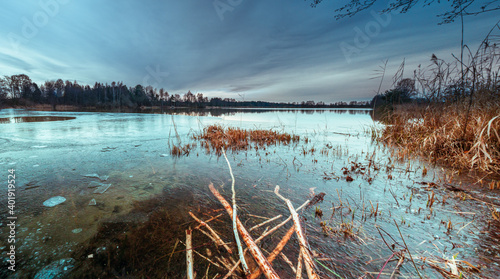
x=438 y=132
x=449 y=111
x=218 y=138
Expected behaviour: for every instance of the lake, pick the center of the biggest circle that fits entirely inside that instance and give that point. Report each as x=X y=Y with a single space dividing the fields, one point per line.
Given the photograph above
x=116 y=173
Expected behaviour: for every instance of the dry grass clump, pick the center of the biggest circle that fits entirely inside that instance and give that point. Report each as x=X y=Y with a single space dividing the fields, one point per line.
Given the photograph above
x=216 y=137
x=440 y=132
x=456 y=116
x=180 y=150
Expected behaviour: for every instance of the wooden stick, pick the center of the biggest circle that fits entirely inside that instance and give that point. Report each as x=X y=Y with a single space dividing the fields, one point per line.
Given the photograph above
x=300 y=235
x=208 y=221
x=246 y=270
x=224 y=262
x=173 y=250
x=266 y=233
x=257 y=216
x=277 y=250
x=189 y=255
x=299 y=267
x=218 y=240
x=289 y=262
x=264 y=265
x=232 y=269
x=263 y=223
x=199 y=254
x=279 y=225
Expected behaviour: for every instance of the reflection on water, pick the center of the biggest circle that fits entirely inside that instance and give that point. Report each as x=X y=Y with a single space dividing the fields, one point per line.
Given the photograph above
x=132 y=150
x=22 y=119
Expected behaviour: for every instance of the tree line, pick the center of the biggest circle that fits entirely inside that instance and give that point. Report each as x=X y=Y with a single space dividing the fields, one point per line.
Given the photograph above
x=20 y=90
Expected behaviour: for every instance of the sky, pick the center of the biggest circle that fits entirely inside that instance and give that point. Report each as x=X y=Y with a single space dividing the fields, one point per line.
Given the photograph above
x=281 y=50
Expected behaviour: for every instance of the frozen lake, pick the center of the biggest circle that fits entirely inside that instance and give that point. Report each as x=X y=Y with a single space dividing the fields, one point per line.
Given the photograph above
x=104 y=164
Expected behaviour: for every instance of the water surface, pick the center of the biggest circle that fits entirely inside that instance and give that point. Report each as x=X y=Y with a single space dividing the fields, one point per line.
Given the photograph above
x=131 y=151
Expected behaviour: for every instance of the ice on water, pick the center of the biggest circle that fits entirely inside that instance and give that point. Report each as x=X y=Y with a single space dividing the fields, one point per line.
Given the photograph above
x=54 y=201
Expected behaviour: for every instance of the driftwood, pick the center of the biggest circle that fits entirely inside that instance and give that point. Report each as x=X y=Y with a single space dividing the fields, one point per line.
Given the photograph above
x=304 y=248
x=275 y=252
x=189 y=254
x=208 y=221
x=215 y=236
x=246 y=270
x=263 y=263
x=205 y=258
x=263 y=223
x=299 y=267
x=279 y=225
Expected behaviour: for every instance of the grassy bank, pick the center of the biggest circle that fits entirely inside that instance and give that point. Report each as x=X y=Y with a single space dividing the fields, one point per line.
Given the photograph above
x=448 y=112
x=444 y=133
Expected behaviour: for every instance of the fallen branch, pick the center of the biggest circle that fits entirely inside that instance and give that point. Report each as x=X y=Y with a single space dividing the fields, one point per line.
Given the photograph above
x=207 y=259
x=289 y=262
x=277 y=250
x=408 y=250
x=264 y=265
x=263 y=223
x=299 y=267
x=189 y=255
x=279 y=225
x=300 y=235
x=218 y=240
x=208 y=221
x=246 y=270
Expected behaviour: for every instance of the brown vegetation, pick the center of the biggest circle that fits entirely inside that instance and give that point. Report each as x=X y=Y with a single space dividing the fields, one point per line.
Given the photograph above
x=456 y=117
x=436 y=132
x=216 y=138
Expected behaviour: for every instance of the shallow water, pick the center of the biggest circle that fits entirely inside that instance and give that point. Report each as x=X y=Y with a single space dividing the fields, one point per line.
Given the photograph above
x=132 y=153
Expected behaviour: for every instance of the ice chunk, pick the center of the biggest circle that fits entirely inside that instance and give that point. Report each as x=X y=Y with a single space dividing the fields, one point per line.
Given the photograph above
x=94 y=184
x=103 y=177
x=101 y=189
x=164 y=155
x=54 y=201
x=79 y=230
x=92 y=202
x=95 y=175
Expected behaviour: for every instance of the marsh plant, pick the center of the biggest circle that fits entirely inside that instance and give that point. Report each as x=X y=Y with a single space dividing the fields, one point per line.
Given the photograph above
x=450 y=111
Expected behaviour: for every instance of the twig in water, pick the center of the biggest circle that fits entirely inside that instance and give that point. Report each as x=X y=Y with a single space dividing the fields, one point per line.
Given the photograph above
x=275 y=252
x=199 y=254
x=208 y=221
x=264 y=265
x=298 y=274
x=189 y=254
x=411 y=258
x=173 y=250
x=218 y=240
x=300 y=235
x=279 y=225
x=386 y=262
x=246 y=270
x=263 y=223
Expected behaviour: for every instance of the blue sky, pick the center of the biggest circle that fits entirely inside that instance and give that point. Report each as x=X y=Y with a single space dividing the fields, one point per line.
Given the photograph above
x=257 y=50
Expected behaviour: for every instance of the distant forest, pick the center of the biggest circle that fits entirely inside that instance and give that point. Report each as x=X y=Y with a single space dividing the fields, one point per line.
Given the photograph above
x=21 y=91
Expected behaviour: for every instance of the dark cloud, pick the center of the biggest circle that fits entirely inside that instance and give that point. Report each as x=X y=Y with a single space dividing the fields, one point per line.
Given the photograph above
x=270 y=50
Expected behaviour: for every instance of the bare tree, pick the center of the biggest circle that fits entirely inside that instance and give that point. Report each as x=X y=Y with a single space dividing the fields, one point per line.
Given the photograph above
x=456 y=9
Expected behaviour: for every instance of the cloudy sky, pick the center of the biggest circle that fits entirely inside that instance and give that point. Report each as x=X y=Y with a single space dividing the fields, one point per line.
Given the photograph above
x=281 y=50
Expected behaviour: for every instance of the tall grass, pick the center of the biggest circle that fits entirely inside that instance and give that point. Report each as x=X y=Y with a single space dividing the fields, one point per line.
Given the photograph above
x=455 y=118
x=436 y=131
